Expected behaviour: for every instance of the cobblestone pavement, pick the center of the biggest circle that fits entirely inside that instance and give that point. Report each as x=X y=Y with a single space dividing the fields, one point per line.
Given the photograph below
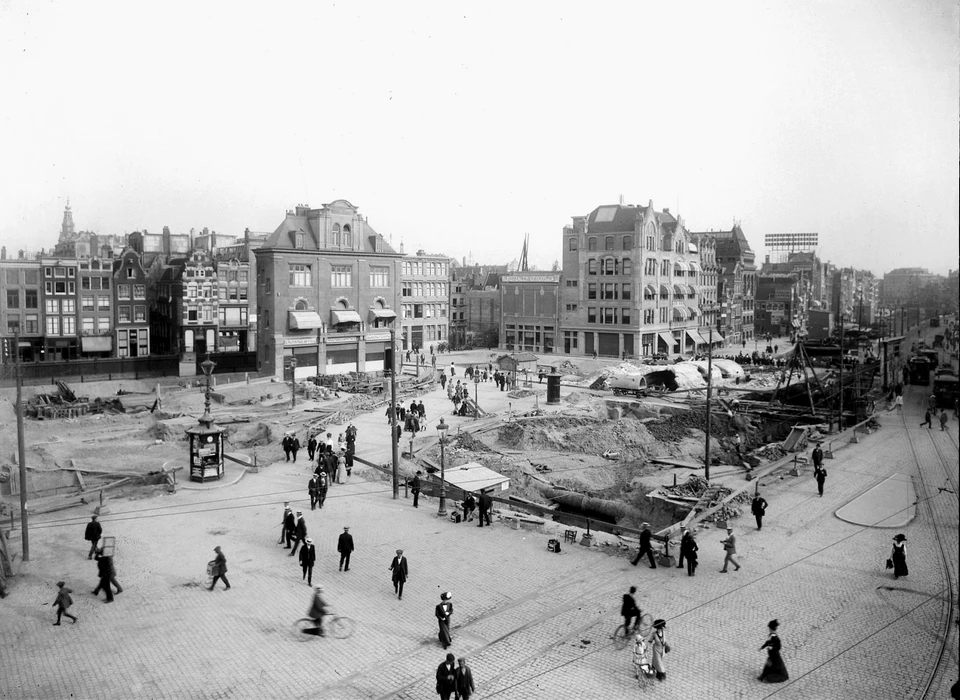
x=534 y=624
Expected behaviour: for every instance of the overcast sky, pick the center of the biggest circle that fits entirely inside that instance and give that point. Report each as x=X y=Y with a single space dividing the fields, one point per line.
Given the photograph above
x=459 y=127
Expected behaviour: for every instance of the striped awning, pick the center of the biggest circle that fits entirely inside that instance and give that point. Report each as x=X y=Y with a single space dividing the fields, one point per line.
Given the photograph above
x=695 y=266
x=696 y=337
x=668 y=339
x=650 y=289
x=304 y=320
x=681 y=264
x=664 y=290
x=681 y=311
x=344 y=316
x=691 y=290
x=679 y=289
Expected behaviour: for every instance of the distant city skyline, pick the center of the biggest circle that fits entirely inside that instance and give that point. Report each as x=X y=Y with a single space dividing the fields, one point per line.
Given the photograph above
x=459 y=129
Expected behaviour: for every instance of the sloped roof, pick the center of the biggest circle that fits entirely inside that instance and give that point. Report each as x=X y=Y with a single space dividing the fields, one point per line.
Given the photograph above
x=305 y=220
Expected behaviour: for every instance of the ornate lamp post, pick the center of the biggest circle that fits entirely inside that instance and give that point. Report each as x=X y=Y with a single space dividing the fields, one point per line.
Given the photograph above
x=207 y=367
x=442 y=432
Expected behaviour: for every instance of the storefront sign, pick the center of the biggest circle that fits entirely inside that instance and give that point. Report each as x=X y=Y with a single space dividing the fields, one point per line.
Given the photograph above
x=338 y=340
x=296 y=342
x=543 y=277
x=377 y=336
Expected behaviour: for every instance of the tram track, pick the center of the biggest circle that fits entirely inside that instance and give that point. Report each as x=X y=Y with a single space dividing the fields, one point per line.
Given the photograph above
x=943 y=547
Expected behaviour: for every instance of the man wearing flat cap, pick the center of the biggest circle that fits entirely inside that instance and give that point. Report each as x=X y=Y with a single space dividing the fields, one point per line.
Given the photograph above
x=345 y=547
x=399 y=568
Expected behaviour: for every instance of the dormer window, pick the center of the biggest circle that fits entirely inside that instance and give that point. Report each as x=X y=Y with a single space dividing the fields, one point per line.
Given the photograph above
x=347 y=236
x=336 y=234
x=298 y=239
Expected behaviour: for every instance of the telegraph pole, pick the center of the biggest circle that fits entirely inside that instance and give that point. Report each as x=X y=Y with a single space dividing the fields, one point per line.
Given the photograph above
x=22 y=451
x=394 y=440
x=706 y=449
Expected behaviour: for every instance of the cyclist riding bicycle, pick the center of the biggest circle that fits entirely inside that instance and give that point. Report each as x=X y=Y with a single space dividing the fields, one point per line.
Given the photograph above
x=629 y=609
x=318 y=609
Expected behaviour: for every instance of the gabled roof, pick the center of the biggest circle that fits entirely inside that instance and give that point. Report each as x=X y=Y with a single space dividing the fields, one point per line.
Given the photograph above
x=303 y=219
x=732 y=242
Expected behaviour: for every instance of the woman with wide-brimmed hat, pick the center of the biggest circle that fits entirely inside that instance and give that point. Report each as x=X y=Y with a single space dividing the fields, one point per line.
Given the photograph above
x=899 y=555
x=774 y=671
x=660 y=647
x=444 y=611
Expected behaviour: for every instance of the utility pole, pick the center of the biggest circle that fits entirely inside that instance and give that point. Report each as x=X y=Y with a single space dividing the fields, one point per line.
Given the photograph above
x=394 y=440
x=706 y=449
x=840 y=416
x=22 y=451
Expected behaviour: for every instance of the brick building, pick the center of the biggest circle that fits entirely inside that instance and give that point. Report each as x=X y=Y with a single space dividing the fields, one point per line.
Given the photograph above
x=425 y=298
x=530 y=303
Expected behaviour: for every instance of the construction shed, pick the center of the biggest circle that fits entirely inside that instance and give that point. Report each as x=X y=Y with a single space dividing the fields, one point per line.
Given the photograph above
x=518 y=363
x=475 y=477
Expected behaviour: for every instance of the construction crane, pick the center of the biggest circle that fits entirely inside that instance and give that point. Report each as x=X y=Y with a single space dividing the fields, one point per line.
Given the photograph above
x=523 y=265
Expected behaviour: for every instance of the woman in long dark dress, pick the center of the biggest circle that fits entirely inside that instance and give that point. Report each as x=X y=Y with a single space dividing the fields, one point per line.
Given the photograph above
x=774 y=671
x=444 y=611
x=899 y=556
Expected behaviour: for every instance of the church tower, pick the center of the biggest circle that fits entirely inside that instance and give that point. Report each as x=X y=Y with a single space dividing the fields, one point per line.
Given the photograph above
x=66 y=228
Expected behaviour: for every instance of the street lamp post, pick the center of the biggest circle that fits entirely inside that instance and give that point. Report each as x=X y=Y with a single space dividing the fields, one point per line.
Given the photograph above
x=293 y=382
x=442 y=432
x=476 y=393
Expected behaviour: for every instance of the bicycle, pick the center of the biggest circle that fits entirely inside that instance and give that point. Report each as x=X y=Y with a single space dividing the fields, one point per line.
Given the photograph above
x=336 y=626
x=642 y=626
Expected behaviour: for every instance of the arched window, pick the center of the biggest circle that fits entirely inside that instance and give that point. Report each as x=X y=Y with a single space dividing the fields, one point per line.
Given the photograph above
x=608 y=243
x=301 y=305
x=347 y=236
x=592 y=243
x=609 y=266
x=627 y=266
x=573 y=244
x=336 y=234
x=628 y=242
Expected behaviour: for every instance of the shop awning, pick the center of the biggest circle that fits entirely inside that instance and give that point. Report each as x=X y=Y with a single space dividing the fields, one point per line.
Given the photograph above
x=680 y=264
x=304 y=320
x=668 y=339
x=103 y=343
x=344 y=316
x=664 y=290
x=691 y=290
x=695 y=266
x=718 y=338
x=681 y=311
x=651 y=290
x=696 y=337
x=383 y=313
x=679 y=289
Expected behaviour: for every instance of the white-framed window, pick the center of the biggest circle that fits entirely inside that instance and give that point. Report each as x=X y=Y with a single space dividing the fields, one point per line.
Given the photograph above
x=103 y=303
x=301 y=275
x=53 y=325
x=379 y=276
x=69 y=325
x=59 y=272
x=88 y=302
x=104 y=324
x=69 y=306
x=139 y=291
x=123 y=314
x=123 y=291
x=139 y=313
x=51 y=306
x=88 y=325
x=341 y=276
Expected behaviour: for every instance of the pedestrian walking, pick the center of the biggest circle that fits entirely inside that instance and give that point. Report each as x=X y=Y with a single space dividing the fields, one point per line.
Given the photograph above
x=444 y=611
x=927 y=420
x=308 y=557
x=400 y=573
x=289 y=526
x=464 y=680
x=660 y=648
x=684 y=542
x=287 y=444
x=730 y=548
x=691 y=554
x=817 y=456
x=443 y=381
x=341 y=467
x=294 y=447
x=311 y=447
x=415 y=489
x=299 y=532
x=629 y=610
x=645 y=546
x=447 y=678
x=898 y=403
x=219 y=569
x=313 y=488
x=759 y=508
x=774 y=671
x=104 y=574
x=322 y=485
x=944 y=418
x=92 y=534
x=345 y=547
x=348 y=459
x=821 y=476
x=899 y=556
x=63 y=602
x=486 y=505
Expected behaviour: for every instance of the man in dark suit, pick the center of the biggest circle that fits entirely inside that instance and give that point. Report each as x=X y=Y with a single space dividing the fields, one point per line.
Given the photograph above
x=308 y=557
x=629 y=609
x=464 y=680
x=415 y=489
x=759 y=508
x=817 y=455
x=400 y=573
x=289 y=525
x=92 y=535
x=684 y=545
x=345 y=547
x=313 y=488
x=312 y=447
x=645 y=547
x=447 y=677
x=299 y=533
x=485 y=505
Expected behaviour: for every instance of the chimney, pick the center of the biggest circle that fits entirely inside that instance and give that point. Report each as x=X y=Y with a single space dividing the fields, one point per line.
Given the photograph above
x=3 y=253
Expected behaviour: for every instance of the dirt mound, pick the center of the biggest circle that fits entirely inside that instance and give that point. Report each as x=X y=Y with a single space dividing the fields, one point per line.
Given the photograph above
x=168 y=433
x=575 y=434
x=253 y=436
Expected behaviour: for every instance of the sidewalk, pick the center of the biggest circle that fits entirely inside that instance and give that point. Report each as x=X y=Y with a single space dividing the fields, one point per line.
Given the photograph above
x=533 y=623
